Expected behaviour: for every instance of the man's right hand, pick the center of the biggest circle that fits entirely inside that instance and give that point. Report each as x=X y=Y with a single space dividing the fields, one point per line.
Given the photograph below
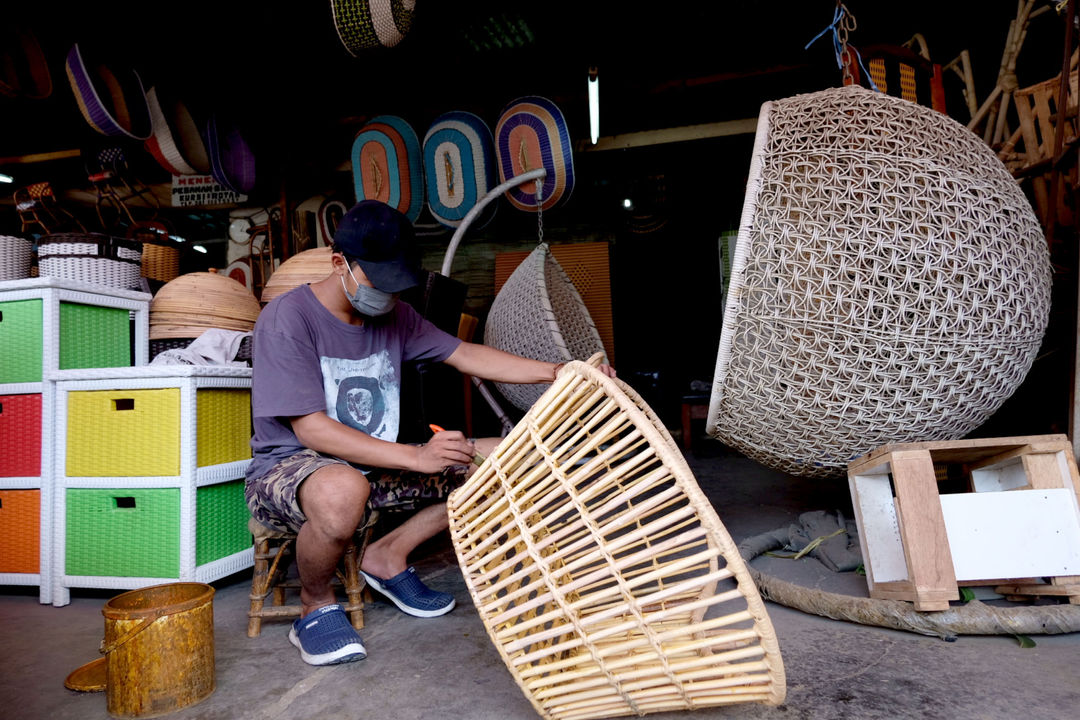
x=446 y=448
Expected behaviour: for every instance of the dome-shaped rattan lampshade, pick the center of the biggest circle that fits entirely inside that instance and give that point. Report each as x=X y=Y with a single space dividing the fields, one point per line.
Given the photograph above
x=304 y=267
x=191 y=303
x=890 y=284
x=599 y=568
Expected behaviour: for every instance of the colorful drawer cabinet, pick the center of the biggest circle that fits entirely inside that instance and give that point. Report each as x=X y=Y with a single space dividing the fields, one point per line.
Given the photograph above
x=48 y=324
x=149 y=467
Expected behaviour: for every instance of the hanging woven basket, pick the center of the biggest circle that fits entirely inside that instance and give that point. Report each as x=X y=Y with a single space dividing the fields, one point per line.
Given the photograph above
x=890 y=284
x=188 y=305
x=539 y=314
x=367 y=24
x=304 y=267
x=176 y=142
x=601 y=571
x=111 y=98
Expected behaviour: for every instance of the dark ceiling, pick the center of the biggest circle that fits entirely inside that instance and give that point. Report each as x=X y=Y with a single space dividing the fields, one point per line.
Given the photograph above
x=281 y=69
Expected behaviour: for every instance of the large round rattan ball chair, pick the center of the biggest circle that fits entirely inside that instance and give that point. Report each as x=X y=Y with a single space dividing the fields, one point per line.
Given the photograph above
x=891 y=283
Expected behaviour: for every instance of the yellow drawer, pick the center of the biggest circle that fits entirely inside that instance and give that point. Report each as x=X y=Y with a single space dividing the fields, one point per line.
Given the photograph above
x=223 y=428
x=123 y=433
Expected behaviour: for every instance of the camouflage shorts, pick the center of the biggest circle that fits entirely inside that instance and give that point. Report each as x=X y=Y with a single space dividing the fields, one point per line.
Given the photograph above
x=272 y=498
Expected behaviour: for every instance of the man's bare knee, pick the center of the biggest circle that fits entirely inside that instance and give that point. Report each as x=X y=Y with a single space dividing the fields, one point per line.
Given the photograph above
x=334 y=498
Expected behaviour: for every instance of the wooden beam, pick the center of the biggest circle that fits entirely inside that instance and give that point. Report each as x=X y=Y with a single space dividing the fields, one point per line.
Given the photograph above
x=670 y=135
x=39 y=157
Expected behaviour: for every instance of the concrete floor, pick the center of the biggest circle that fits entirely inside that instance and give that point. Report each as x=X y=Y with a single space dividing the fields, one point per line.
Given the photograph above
x=447 y=667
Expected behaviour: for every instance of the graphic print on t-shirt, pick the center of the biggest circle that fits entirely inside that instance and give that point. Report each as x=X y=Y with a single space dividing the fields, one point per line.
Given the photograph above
x=363 y=394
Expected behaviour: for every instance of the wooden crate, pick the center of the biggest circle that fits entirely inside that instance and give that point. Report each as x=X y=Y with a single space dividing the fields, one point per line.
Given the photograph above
x=1016 y=522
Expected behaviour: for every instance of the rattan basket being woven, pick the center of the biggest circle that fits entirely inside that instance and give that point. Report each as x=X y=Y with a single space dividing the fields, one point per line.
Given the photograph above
x=890 y=284
x=304 y=267
x=16 y=255
x=602 y=574
x=539 y=314
x=191 y=303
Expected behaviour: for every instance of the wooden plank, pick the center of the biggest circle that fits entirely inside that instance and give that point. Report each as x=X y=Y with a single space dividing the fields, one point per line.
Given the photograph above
x=670 y=135
x=1044 y=470
x=922 y=529
x=879 y=530
x=39 y=157
x=956 y=450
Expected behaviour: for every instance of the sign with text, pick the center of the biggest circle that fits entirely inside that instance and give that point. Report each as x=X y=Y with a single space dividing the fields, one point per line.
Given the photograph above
x=201 y=190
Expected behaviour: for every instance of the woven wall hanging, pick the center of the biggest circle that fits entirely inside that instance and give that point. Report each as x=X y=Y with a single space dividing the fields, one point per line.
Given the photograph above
x=366 y=24
x=387 y=165
x=111 y=98
x=890 y=284
x=459 y=167
x=601 y=571
x=531 y=133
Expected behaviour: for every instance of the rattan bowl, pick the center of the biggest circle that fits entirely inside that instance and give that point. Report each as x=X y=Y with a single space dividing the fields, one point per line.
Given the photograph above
x=602 y=574
x=305 y=267
x=189 y=304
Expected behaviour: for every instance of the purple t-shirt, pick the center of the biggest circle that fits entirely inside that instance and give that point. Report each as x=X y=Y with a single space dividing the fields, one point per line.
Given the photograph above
x=306 y=360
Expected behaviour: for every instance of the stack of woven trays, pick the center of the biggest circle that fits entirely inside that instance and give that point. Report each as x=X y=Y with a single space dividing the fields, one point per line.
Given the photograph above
x=305 y=267
x=194 y=302
x=602 y=574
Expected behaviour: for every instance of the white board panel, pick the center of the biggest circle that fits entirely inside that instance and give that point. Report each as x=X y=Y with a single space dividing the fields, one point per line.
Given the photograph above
x=880 y=529
x=1022 y=533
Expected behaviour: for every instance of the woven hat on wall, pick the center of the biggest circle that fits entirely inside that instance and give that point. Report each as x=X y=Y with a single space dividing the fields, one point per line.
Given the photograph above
x=189 y=304
x=387 y=165
x=890 y=284
x=232 y=162
x=111 y=98
x=532 y=134
x=176 y=142
x=367 y=24
x=304 y=267
x=459 y=167
x=601 y=571
x=539 y=314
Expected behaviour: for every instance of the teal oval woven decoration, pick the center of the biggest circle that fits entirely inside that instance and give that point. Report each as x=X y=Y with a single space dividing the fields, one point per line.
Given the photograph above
x=459 y=167
x=387 y=165
x=367 y=24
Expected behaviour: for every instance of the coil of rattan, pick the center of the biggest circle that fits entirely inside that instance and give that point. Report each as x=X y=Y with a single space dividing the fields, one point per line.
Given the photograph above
x=191 y=303
x=602 y=574
x=890 y=284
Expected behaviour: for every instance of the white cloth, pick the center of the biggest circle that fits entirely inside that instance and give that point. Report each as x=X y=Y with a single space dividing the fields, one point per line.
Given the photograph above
x=214 y=347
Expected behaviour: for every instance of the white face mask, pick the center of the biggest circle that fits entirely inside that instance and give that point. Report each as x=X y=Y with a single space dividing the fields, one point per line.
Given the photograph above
x=368 y=300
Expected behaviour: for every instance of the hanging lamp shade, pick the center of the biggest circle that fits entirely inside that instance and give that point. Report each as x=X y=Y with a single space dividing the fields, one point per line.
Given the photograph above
x=367 y=24
x=890 y=284
x=532 y=133
x=387 y=165
x=539 y=314
x=176 y=142
x=110 y=97
x=459 y=167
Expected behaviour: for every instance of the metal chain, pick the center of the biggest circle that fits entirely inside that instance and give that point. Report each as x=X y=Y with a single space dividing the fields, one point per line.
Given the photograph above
x=539 y=211
x=845 y=25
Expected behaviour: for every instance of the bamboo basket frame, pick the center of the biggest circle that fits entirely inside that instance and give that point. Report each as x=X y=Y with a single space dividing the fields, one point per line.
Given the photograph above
x=603 y=575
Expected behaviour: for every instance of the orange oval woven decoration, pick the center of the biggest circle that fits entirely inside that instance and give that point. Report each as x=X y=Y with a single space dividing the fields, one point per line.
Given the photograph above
x=601 y=571
x=387 y=165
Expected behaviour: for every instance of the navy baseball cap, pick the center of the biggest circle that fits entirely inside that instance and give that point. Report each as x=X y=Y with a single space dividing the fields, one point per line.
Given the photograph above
x=382 y=241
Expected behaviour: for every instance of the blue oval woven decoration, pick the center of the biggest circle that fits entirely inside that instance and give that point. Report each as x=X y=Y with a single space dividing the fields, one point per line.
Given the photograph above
x=232 y=162
x=387 y=165
x=532 y=133
x=459 y=167
x=112 y=100
x=366 y=24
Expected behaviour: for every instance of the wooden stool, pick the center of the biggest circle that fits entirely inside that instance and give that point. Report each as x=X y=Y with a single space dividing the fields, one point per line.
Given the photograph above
x=271 y=574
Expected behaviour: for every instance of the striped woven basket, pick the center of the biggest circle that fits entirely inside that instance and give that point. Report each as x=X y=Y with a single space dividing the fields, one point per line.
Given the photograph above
x=16 y=255
x=111 y=99
x=601 y=571
x=176 y=142
x=92 y=258
x=459 y=167
x=368 y=24
x=532 y=134
x=387 y=165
